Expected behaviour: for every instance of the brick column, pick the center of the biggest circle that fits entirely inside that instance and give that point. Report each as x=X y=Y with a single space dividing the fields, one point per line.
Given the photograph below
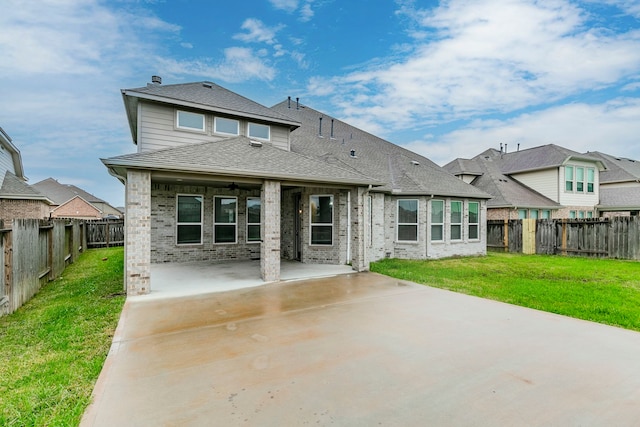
x=270 y=231
x=358 y=257
x=138 y=233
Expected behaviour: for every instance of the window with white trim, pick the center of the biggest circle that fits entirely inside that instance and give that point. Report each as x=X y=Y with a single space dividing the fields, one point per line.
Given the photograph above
x=523 y=214
x=225 y=217
x=474 y=220
x=256 y=130
x=189 y=219
x=321 y=219
x=576 y=177
x=546 y=214
x=226 y=126
x=534 y=213
x=568 y=178
x=580 y=180
x=456 y=220
x=190 y=121
x=437 y=220
x=253 y=219
x=591 y=177
x=407 y=220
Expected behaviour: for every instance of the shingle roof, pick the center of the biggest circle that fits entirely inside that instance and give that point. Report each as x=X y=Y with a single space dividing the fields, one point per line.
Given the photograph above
x=238 y=157
x=62 y=193
x=622 y=198
x=13 y=187
x=537 y=158
x=619 y=169
x=209 y=96
x=402 y=171
x=506 y=191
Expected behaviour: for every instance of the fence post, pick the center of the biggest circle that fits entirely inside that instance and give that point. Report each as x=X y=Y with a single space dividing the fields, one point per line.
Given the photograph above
x=505 y=241
x=563 y=248
x=7 y=237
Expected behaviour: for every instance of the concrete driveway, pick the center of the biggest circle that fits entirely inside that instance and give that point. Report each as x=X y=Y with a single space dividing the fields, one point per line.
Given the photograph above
x=362 y=350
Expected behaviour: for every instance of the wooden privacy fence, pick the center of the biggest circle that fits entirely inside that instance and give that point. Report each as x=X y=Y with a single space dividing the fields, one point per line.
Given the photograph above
x=34 y=252
x=617 y=237
x=105 y=233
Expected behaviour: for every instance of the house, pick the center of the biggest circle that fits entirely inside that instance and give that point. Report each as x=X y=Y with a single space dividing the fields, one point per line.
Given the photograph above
x=70 y=201
x=548 y=181
x=17 y=198
x=217 y=176
x=619 y=186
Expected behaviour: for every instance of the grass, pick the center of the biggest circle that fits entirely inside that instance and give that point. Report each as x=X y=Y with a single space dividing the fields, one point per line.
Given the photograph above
x=53 y=348
x=598 y=290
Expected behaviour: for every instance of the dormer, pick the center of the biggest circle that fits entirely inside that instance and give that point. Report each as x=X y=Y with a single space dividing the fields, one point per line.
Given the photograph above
x=163 y=116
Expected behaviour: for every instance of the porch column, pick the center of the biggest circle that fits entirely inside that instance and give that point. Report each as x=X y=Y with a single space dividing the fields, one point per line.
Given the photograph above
x=358 y=256
x=137 y=242
x=270 y=231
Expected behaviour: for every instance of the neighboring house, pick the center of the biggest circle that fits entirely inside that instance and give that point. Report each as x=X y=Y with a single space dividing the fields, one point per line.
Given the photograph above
x=217 y=176
x=541 y=182
x=619 y=186
x=17 y=198
x=73 y=202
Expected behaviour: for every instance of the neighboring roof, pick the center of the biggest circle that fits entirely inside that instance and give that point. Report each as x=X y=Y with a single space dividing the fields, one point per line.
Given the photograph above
x=463 y=167
x=401 y=171
x=619 y=199
x=201 y=95
x=506 y=191
x=62 y=193
x=82 y=200
x=238 y=157
x=619 y=169
x=542 y=157
x=13 y=187
x=7 y=143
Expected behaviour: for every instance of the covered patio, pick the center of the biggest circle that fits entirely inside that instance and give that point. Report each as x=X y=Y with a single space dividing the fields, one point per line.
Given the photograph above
x=204 y=277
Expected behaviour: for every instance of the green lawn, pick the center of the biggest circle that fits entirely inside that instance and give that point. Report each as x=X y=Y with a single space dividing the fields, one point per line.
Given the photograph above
x=53 y=348
x=605 y=291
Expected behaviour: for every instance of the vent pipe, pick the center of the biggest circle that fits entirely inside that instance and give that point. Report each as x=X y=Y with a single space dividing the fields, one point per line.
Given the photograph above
x=320 y=128
x=289 y=101
x=331 y=128
x=297 y=103
x=156 y=80
x=518 y=146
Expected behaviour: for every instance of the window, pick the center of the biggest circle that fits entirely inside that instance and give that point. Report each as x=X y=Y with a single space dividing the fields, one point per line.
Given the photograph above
x=474 y=220
x=591 y=173
x=189 y=219
x=580 y=180
x=572 y=214
x=456 y=220
x=522 y=214
x=546 y=214
x=589 y=214
x=533 y=214
x=225 y=217
x=191 y=121
x=321 y=211
x=408 y=220
x=568 y=178
x=581 y=214
x=259 y=131
x=437 y=220
x=227 y=126
x=253 y=219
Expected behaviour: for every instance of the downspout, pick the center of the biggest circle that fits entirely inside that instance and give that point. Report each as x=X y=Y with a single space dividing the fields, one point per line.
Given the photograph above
x=349 y=227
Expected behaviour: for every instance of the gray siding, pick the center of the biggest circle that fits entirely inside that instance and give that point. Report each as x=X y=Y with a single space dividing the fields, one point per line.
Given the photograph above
x=6 y=162
x=157 y=129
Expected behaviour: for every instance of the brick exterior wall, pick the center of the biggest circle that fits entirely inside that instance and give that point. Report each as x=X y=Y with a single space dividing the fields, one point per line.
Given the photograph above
x=11 y=209
x=76 y=208
x=382 y=230
x=164 y=247
x=138 y=233
x=270 y=231
x=511 y=213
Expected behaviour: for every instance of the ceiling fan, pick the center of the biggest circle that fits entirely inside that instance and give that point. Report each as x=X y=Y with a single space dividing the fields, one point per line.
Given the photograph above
x=232 y=186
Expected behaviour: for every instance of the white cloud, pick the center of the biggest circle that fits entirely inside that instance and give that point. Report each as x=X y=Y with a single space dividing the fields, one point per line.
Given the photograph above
x=257 y=32
x=287 y=5
x=611 y=127
x=489 y=57
x=239 y=64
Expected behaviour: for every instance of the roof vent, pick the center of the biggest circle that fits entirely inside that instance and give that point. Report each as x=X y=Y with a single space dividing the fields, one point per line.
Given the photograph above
x=207 y=84
x=415 y=162
x=156 y=80
x=255 y=143
x=352 y=153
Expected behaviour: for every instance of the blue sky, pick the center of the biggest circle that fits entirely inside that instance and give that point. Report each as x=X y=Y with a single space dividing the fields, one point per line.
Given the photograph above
x=446 y=79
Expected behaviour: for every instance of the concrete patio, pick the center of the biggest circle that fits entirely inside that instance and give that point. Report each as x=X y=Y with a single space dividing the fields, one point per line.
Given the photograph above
x=194 y=278
x=361 y=350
